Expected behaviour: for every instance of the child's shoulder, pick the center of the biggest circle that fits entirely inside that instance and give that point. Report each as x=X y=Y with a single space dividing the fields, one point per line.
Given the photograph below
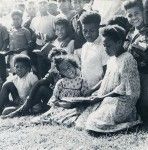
x=31 y=76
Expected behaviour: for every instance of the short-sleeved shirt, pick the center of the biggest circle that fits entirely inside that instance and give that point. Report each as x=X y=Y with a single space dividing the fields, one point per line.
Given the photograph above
x=44 y=25
x=93 y=58
x=23 y=84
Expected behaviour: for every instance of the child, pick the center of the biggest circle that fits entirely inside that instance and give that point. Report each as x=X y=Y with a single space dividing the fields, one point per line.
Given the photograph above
x=78 y=36
x=63 y=41
x=66 y=9
x=71 y=85
x=42 y=89
x=93 y=56
x=137 y=44
x=121 y=21
x=18 y=85
x=63 y=33
x=118 y=91
x=20 y=37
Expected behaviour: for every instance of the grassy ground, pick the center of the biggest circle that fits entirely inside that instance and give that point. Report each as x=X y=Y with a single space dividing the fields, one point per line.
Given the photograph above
x=19 y=134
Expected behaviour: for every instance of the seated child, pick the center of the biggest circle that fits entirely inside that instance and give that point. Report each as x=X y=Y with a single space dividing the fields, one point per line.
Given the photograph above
x=71 y=85
x=42 y=90
x=137 y=45
x=63 y=41
x=93 y=55
x=17 y=85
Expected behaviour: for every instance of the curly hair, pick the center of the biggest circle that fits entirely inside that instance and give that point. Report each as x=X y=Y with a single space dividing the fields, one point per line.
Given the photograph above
x=68 y=59
x=23 y=59
x=90 y=17
x=115 y=32
x=133 y=3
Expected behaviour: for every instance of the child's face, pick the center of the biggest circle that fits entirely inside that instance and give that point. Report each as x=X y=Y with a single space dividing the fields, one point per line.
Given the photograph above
x=78 y=4
x=90 y=32
x=43 y=7
x=17 y=21
x=20 y=69
x=31 y=10
x=67 y=70
x=111 y=47
x=63 y=5
x=135 y=16
x=60 y=31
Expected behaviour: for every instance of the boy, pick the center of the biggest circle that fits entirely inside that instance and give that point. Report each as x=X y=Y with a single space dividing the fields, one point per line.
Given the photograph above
x=18 y=85
x=76 y=25
x=93 y=56
x=20 y=37
x=137 y=45
x=66 y=9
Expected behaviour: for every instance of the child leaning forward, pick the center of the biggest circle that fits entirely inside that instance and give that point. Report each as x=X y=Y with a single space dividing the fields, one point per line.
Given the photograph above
x=71 y=85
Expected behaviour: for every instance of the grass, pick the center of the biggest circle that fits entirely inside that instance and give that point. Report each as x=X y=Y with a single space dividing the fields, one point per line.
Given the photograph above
x=19 y=134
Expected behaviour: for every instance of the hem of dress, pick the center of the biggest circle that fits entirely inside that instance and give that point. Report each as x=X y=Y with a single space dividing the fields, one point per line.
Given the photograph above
x=114 y=128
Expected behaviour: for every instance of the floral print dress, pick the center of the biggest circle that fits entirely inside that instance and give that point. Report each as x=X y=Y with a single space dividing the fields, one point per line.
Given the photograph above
x=64 y=88
x=118 y=112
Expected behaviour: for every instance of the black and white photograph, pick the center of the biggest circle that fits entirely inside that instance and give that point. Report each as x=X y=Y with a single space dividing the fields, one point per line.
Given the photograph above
x=73 y=74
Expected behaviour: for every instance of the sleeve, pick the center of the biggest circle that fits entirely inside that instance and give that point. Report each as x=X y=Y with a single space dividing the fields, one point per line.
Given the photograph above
x=10 y=78
x=33 y=78
x=130 y=81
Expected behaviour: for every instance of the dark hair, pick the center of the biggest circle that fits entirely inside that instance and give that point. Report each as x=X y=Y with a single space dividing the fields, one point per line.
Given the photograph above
x=56 y=52
x=90 y=17
x=115 y=32
x=23 y=59
x=65 y=22
x=69 y=59
x=121 y=21
x=17 y=12
x=133 y=3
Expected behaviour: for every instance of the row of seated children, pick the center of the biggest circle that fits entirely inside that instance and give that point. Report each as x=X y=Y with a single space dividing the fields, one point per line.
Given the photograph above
x=119 y=87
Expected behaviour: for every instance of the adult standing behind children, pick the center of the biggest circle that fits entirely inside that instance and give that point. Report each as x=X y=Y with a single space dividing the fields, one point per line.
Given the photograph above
x=137 y=45
x=93 y=55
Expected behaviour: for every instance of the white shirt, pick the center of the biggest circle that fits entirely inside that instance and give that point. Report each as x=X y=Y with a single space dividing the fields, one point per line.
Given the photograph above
x=93 y=58
x=23 y=84
x=44 y=25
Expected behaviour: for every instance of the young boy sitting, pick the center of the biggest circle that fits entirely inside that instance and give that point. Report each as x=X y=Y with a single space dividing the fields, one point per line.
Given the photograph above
x=93 y=55
x=17 y=85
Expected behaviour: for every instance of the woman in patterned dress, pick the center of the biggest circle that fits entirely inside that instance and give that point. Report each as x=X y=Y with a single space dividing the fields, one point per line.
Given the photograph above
x=119 y=90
